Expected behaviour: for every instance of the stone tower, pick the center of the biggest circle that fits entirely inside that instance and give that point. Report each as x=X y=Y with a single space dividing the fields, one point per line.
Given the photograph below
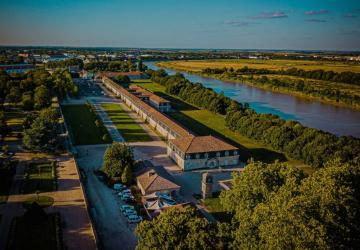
x=207 y=183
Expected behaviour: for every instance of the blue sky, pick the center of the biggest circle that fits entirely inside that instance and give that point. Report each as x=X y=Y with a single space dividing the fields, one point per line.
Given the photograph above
x=243 y=24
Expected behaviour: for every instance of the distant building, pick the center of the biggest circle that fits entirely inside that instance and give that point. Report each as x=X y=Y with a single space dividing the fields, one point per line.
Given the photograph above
x=17 y=68
x=133 y=75
x=194 y=152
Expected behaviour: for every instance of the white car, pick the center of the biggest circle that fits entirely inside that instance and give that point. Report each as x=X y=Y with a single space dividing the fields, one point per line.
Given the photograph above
x=134 y=219
x=126 y=207
x=129 y=212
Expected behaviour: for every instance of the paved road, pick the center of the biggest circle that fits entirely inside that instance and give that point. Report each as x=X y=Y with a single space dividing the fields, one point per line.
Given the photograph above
x=113 y=229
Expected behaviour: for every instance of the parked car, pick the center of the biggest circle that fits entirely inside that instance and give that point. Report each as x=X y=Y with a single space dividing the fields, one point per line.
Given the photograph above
x=129 y=212
x=118 y=186
x=125 y=197
x=126 y=207
x=134 y=219
x=125 y=191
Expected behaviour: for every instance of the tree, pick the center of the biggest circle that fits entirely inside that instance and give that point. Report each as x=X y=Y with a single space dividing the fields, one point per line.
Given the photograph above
x=42 y=97
x=27 y=101
x=126 y=176
x=117 y=157
x=4 y=128
x=43 y=132
x=176 y=229
x=122 y=79
x=282 y=209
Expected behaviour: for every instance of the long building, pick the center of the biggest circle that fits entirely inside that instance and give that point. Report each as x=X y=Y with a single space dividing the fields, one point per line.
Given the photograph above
x=154 y=100
x=184 y=147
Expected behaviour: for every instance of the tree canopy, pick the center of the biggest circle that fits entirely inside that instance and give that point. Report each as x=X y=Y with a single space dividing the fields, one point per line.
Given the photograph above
x=117 y=157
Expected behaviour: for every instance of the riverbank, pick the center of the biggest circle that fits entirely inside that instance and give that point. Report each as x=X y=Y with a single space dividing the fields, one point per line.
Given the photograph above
x=269 y=87
x=204 y=122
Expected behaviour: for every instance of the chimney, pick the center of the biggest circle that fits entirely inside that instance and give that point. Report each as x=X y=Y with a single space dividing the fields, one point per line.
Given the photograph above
x=152 y=172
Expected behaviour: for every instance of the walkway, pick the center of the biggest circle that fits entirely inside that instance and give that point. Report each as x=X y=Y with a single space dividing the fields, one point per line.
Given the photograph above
x=69 y=201
x=110 y=126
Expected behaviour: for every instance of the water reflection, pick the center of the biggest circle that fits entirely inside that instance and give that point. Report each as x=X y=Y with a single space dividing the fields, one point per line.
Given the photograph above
x=337 y=120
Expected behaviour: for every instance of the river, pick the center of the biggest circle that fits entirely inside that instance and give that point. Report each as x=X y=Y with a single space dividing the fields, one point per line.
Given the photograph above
x=327 y=117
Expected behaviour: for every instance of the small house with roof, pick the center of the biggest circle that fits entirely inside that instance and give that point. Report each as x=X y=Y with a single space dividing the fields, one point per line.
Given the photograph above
x=156 y=179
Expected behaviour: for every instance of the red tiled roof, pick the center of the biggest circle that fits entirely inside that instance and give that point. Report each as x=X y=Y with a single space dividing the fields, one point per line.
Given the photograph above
x=151 y=111
x=151 y=181
x=201 y=144
x=152 y=96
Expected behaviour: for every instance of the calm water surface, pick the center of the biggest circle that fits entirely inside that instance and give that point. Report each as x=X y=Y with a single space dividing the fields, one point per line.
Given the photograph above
x=337 y=120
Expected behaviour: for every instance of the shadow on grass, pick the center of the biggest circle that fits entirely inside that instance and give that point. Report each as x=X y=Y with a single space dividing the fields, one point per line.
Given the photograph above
x=176 y=103
x=258 y=154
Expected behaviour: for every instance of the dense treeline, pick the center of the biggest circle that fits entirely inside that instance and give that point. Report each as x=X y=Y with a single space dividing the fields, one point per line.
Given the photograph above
x=65 y=63
x=313 y=146
x=258 y=77
x=274 y=206
x=35 y=88
x=194 y=93
x=319 y=74
x=122 y=66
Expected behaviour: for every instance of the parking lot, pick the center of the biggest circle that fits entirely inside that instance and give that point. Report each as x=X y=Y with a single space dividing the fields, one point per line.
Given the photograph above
x=88 y=87
x=112 y=226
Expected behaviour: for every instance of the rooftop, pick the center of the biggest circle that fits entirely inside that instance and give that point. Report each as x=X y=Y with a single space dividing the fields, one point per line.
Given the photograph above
x=145 y=92
x=201 y=144
x=154 y=179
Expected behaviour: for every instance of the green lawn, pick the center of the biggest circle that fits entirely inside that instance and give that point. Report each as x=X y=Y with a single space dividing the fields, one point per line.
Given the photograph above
x=39 y=177
x=215 y=208
x=42 y=200
x=44 y=234
x=131 y=131
x=204 y=122
x=82 y=124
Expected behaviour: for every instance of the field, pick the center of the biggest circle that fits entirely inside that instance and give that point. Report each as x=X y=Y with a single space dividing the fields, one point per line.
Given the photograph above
x=131 y=131
x=42 y=234
x=204 y=122
x=198 y=65
x=83 y=128
x=39 y=177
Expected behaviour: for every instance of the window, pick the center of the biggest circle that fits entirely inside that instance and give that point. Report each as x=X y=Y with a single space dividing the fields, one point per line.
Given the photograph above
x=218 y=154
x=206 y=155
x=235 y=152
x=188 y=156
x=197 y=156
x=226 y=153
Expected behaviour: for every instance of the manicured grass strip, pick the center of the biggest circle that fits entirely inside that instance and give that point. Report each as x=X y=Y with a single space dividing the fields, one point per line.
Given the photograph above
x=7 y=171
x=39 y=177
x=131 y=131
x=82 y=124
x=42 y=200
x=42 y=234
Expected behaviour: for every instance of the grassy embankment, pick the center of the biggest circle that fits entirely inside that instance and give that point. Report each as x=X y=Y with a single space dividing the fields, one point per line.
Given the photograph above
x=319 y=85
x=39 y=177
x=204 y=122
x=131 y=131
x=82 y=123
